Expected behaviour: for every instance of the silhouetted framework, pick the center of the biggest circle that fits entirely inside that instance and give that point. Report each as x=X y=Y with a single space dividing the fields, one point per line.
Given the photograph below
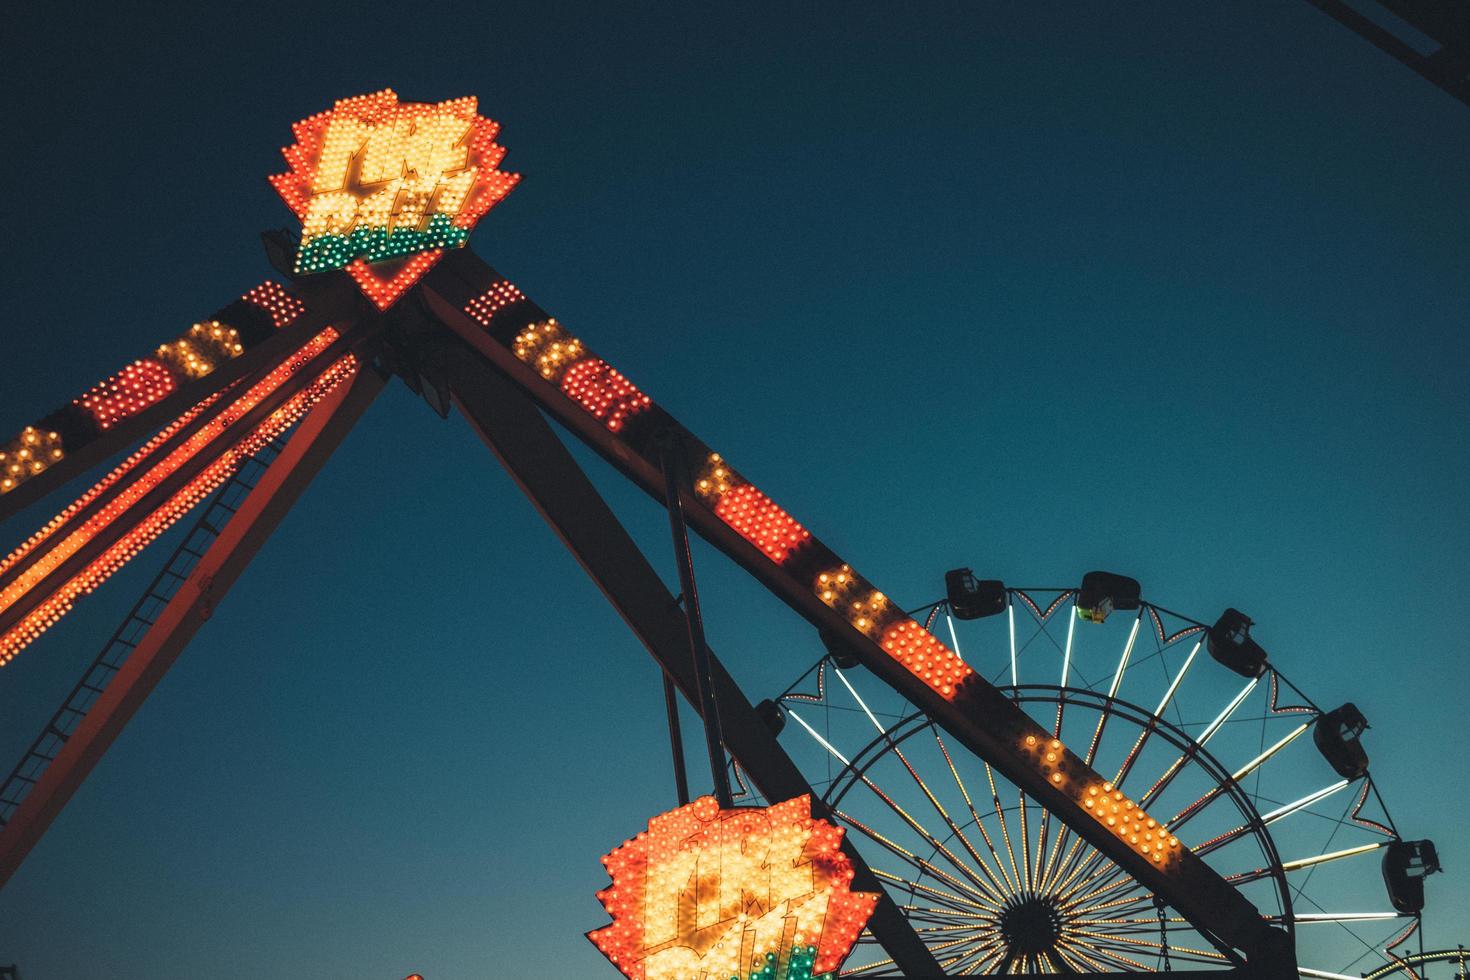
x=467 y=339
x=1432 y=37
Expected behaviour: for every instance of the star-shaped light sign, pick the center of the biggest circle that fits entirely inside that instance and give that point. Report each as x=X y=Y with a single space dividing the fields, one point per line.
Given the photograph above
x=758 y=893
x=384 y=187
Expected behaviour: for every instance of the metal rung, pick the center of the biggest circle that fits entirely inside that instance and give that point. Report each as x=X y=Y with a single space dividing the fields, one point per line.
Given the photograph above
x=161 y=590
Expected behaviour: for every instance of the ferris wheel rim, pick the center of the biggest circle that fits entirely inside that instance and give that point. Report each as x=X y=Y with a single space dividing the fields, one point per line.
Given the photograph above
x=895 y=734
x=1406 y=964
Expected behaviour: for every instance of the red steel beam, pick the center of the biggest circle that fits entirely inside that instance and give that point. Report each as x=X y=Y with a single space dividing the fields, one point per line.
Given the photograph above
x=309 y=447
x=237 y=429
x=330 y=300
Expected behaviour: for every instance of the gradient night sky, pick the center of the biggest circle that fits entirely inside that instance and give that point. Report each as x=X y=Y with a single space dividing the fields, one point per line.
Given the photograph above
x=1177 y=289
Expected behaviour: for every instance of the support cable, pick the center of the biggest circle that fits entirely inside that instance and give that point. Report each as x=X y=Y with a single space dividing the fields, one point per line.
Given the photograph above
x=676 y=741
x=674 y=480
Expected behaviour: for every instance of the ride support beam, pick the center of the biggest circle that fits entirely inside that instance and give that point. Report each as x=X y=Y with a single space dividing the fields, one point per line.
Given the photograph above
x=330 y=300
x=288 y=476
x=164 y=490
x=520 y=437
x=976 y=714
x=1447 y=24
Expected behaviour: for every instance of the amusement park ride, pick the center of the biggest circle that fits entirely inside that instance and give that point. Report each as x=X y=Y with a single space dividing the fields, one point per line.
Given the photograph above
x=900 y=809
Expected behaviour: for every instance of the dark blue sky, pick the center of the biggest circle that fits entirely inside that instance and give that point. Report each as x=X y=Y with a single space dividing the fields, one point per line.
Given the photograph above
x=1173 y=288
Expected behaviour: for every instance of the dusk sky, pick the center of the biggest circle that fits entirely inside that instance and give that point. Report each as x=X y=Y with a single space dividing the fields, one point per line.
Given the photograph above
x=1176 y=289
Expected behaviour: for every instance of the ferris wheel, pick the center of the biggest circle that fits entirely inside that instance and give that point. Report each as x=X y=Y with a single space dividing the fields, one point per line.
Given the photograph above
x=1241 y=767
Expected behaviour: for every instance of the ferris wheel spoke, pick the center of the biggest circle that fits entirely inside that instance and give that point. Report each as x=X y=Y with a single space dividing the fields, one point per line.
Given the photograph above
x=942 y=947
x=1152 y=726
x=1025 y=841
x=1057 y=871
x=939 y=925
x=1190 y=955
x=937 y=915
x=1011 y=620
x=1066 y=670
x=1106 y=940
x=858 y=971
x=1199 y=743
x=981 y=956
x=954 y=905
x=953 y=638
x=1308 y=862
x=1314 y=918
x=1064 y=833
x=1189 y=812
x=1001 y=817
x=1105 y=881
x=990 y=884
x=893 y=805
x=1093 y=865
x=976 y=900
x=975 y=817
x=1286 y=810
x=1074 y=954
x=1135 y=924
x=1108 y=954
x=1041 y=854
x=1102 y=718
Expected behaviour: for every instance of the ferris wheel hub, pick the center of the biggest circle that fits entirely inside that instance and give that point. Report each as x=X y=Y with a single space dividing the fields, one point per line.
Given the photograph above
x=1031 y=925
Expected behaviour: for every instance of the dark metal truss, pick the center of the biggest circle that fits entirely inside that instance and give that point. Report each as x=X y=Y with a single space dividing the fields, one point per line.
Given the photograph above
x=1431 y=37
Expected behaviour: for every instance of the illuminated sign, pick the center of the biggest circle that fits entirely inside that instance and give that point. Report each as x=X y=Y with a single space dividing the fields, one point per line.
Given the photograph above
x=758 y=893
x=384 y=187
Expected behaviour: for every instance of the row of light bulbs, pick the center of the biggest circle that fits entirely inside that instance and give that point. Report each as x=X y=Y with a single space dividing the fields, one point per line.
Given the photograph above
x=97 y=489
x=562 y=359
x=60 y=601
x=205 y=347
x=27 y=454
x=854 y=597
x=502 y=294
x=749 y=512
x=282 y=305
x=1103 y=801
x=142 y=384
x=135 y=490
